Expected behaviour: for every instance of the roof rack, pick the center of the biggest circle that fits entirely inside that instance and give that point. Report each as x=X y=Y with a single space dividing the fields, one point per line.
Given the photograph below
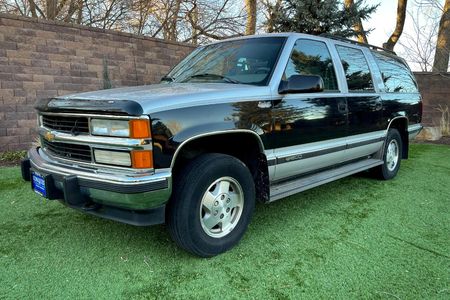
x=342 y=39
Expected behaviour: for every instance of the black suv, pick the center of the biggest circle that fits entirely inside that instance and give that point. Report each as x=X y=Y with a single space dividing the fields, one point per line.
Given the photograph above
x=253 y=118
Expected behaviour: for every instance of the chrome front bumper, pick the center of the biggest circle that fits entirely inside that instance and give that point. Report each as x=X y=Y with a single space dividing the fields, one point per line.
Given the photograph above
x=97 y=190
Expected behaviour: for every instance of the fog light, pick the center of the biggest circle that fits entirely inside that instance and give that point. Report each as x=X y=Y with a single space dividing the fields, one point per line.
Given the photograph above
x=118 y=158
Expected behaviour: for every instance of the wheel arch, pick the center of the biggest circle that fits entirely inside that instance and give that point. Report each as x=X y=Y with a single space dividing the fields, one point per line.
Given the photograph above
x=244 y=144
x=401 y=124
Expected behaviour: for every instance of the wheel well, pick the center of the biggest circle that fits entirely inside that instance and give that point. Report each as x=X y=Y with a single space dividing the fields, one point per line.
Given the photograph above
x=401 y=124
x=243 y=146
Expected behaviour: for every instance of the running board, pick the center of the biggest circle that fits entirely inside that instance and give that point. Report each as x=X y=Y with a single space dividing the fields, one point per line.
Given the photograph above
x=289 y=188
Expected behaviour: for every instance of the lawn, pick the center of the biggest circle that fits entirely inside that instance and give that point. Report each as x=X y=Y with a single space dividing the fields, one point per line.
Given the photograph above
x=354 y=238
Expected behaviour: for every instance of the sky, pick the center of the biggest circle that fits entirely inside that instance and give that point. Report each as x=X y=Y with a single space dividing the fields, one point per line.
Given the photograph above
x=383 y=24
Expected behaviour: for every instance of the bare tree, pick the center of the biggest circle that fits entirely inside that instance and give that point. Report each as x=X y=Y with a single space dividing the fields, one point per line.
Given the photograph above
x=216 y=20
x=362 y=38
x=141 y=11
x=195 y=21
x=420 y=43
x=250 y=6
x=401 y=15
x=62 y=10
x=441 y=57
x=107 y=14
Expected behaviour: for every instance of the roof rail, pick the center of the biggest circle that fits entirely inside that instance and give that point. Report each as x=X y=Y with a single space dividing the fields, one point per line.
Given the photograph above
x=342 y=39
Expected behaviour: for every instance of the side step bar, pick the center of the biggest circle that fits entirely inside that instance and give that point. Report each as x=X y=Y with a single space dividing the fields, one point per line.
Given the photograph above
x=289 y=188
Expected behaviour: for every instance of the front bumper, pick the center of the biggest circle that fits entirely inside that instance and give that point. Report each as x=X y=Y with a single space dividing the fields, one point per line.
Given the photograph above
x=137 y=199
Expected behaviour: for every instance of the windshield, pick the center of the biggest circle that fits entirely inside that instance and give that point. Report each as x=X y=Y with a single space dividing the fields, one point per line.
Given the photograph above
x=247 y=61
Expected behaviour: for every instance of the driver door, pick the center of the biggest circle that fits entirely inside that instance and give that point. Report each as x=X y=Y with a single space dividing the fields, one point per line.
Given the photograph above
x=309 y=131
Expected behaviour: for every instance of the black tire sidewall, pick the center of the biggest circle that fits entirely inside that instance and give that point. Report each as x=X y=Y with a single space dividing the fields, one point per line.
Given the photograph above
x=393 y=134
x=197 y=177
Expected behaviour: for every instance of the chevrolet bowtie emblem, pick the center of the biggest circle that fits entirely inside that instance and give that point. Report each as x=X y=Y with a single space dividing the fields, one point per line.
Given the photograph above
x=49 y=136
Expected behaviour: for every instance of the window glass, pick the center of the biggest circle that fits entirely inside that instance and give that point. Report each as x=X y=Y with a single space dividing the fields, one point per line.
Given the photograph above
x=356 y=69
x=396 y=76
x=312 y=58
x=247 y=61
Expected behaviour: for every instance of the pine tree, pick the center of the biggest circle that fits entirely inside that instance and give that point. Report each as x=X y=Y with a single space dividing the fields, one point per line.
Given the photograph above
x=320 y=16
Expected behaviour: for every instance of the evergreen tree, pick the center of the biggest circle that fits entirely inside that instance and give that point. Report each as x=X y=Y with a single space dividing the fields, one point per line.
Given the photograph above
x=319 y=16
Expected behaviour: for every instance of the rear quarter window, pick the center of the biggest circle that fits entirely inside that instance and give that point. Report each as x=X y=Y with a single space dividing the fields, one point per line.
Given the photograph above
x=397 y=77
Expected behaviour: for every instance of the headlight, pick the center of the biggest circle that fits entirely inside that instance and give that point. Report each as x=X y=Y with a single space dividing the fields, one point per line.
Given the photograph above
x=121 y=128
x=110 y=127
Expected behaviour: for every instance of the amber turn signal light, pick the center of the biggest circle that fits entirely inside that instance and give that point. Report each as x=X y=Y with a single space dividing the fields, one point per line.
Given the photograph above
x=139 y=129
x=142 y=159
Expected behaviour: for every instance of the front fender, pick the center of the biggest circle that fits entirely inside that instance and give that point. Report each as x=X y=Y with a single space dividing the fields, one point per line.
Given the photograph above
x=171 y=129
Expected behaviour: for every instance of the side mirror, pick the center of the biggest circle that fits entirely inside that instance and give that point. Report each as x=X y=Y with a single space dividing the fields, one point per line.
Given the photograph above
x=301 y=84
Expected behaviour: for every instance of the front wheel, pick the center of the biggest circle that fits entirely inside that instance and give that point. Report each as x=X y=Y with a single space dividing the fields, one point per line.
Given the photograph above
x=391 y=156
x=212 y=204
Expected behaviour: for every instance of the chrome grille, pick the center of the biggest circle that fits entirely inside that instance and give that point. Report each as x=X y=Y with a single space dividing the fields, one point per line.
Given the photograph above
x=68 y=151
x=66 y=124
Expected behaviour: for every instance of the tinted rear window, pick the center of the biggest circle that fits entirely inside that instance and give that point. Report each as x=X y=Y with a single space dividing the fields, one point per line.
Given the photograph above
x=396 y=76
x=356 y=69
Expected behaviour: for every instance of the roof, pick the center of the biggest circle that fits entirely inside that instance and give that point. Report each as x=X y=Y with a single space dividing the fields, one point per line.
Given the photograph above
x=299 y=35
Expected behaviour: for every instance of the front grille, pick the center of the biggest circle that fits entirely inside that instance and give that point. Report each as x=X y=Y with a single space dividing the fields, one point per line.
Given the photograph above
x=68 y=151
x=66 y=124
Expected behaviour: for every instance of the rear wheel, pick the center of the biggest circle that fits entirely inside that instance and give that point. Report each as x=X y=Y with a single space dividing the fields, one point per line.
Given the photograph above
x=391 y=156
x=212 y=204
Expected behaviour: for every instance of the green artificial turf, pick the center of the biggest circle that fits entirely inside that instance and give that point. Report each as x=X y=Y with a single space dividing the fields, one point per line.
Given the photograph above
x=353 y=238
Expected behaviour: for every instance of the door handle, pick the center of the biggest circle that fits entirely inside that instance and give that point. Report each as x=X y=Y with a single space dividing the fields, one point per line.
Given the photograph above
x=378 y=106
x=342 y=107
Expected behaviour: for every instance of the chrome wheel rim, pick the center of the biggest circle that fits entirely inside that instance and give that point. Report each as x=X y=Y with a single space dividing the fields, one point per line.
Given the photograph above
x=392 y=155
x=221 y=207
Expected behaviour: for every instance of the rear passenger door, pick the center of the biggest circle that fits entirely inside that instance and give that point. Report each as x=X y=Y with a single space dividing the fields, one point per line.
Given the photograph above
x=364 y=104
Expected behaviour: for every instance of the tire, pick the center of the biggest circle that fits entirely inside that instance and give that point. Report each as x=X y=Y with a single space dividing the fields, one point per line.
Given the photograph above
x=392 y=154
x=214 y=188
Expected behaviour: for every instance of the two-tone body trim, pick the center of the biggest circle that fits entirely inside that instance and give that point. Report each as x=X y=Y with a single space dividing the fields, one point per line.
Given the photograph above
x=285 y=162
x=305 y=155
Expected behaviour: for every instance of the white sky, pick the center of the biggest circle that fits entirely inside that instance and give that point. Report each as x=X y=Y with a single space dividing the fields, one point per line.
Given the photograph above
x=383 y=23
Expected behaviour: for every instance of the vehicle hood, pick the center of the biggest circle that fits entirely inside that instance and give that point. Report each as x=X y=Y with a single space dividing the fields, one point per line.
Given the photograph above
x=166 y=96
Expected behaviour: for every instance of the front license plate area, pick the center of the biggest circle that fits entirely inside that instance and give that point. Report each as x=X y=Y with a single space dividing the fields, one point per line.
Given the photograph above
x=38 y=184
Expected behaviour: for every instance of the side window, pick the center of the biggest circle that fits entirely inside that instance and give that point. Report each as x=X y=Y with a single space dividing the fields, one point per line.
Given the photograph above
x=396 y=76
x=356 y=69
x=312 y=58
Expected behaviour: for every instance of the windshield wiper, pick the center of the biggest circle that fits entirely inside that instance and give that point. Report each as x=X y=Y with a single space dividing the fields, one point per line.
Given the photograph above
x=167 y=78
x=224 y=78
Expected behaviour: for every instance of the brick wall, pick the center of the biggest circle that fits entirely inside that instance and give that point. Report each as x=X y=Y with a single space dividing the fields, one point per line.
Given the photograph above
x=435 y=90
x=42 y=59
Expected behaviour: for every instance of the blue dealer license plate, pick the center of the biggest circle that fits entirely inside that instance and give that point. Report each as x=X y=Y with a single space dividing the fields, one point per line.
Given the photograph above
x=38 y=184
